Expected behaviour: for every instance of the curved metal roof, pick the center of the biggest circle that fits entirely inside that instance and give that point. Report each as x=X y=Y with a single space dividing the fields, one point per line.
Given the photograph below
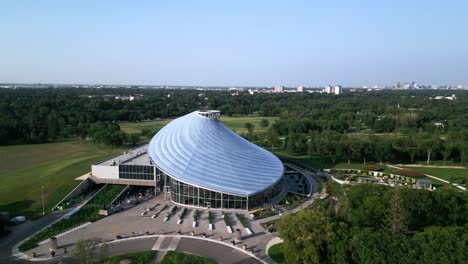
x=201 y=151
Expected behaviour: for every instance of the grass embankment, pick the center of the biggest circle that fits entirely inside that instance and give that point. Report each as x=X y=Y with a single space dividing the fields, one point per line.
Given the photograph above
x=87 y=213
x=144 y=257
x=276 y=253
x=234 y=123
x=173 y=257
x=25 y=168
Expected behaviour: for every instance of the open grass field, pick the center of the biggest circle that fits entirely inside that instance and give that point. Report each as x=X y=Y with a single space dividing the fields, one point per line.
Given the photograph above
x=451 y=175
x=25 y=168
x=234 y=123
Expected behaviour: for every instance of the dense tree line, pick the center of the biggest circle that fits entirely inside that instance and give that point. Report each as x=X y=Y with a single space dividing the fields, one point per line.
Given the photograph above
x=41 y=115
x=376 y=224
x=393 y=148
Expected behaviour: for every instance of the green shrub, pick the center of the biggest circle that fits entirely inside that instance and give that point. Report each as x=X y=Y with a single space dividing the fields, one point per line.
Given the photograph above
x=87 y=213
x=144 y=257
x=183 y=213
x=196 y=215
x=242 y=220
x=173 y=257
x=227 y=220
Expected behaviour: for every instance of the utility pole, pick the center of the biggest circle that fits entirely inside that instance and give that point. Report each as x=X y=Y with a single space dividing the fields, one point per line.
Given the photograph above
x=42 y=195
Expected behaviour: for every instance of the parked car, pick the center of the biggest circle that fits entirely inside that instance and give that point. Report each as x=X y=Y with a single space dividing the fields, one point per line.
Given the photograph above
x=18 y=219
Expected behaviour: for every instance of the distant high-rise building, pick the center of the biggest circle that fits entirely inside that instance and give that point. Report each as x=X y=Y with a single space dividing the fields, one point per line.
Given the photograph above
x=328 y=89
x=338 y=89
x=279 y=89
x=300 y=89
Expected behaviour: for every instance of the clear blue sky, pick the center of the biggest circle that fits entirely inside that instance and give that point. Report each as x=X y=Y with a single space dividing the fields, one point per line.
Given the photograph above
x=234 y=42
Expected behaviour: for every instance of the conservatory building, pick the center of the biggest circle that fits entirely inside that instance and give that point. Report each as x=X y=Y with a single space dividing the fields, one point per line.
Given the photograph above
x=196 y=161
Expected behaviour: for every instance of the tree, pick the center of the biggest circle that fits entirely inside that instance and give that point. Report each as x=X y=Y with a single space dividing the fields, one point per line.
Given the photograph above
x=446 y=150
x=306 y=235
x=412 y=152
x=133 y=139
x=86 y=251
x=272 y=137
x=429 y=145
x=290 y=144
x=437 y=244
x=250 y=128
x=396 y=215
x=464 y=155
x=148 y=134
x=264 y=123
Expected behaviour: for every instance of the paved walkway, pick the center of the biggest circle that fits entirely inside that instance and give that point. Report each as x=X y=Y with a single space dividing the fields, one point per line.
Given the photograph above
x=314 y=181
x=25 y=230
x=131 y=221
x=148 y=233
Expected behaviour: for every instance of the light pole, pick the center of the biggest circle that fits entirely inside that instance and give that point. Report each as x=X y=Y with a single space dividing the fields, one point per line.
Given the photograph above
x=42 y=195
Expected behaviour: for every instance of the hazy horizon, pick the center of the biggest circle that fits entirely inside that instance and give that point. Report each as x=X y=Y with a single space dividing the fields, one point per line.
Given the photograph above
x=211 y=43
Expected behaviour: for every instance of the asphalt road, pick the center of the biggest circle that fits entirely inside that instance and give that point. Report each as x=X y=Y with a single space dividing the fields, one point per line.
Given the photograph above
x=23 y=231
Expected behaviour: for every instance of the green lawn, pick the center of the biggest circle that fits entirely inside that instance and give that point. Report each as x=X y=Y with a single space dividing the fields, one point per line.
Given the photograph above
x=451 y=175
x=234 y=123
x=144 y=257
x=276 y=253
x=173 y=257
x=136 y=127
x=25 y=168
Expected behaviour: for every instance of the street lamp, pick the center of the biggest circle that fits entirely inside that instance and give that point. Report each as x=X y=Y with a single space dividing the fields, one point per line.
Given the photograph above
x=42 y=195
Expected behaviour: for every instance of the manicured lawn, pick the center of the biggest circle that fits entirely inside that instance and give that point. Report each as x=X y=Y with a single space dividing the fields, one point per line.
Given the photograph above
x=173 y=257
x=237 y=123
x=25 y=168
x=133 y=128
x=144 y=257
x=234 y=123
x=276 y=253
x=451 y=175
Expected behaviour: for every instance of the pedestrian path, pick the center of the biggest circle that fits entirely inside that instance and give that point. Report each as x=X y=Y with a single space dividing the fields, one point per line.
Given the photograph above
x=314 y=181
x=158 y=243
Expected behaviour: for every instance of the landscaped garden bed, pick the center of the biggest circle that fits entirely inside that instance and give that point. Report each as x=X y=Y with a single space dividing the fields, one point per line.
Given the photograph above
x=87 y=213
x=264 y=213
x=408 y=173
x=270 y=226
x=171 y=213
x=292 y=201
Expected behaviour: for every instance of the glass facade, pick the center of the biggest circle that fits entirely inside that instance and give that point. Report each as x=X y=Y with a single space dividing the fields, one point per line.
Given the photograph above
x=262 y=199
x=190 y=195
x=187 y=194
x=136 y=172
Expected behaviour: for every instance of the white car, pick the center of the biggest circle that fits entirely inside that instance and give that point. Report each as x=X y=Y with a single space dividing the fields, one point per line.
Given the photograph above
x=18 y=219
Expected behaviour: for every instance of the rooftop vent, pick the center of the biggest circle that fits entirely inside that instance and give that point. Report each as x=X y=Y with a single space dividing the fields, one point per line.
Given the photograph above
x=211 y=114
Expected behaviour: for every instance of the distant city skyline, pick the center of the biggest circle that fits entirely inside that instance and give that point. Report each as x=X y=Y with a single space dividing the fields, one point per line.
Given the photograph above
x=242 y=43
